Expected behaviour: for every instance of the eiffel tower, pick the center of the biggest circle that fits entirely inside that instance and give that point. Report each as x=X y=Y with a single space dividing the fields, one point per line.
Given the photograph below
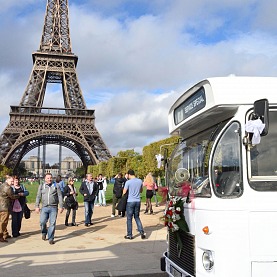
x=31 y=125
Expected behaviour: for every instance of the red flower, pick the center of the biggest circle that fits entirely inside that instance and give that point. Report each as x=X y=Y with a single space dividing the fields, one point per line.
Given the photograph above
x=169 y=212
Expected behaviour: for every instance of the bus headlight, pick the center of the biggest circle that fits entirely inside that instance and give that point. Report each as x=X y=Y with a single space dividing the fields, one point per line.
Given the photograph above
x=207 y=260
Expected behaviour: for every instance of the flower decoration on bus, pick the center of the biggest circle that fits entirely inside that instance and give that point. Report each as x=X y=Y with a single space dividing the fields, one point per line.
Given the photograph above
x=174 y=218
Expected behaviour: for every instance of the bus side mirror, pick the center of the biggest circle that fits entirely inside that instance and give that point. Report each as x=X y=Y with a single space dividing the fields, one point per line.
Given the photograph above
x=261 y=112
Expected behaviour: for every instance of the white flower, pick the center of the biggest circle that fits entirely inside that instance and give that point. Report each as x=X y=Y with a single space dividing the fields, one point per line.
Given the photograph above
x=175 y=227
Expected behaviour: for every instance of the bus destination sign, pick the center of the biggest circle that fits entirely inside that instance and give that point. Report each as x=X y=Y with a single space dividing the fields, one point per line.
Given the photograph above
x=192 y=105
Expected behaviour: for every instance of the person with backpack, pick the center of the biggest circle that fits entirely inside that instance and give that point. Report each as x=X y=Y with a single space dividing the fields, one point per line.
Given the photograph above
x=50 y=195
x=18 y=206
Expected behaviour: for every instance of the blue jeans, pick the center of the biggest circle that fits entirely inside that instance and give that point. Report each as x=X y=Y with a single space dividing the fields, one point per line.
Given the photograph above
x=133 y=209
x=51 y=214
x=89 y=206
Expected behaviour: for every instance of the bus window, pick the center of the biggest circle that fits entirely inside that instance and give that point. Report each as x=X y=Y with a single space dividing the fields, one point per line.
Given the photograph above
x=188 y=166
x=263 y=161
x=226 y=164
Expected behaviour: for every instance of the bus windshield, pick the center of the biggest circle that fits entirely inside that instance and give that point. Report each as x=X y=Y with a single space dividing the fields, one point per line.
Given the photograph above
x=263 y=159
x=188 y=166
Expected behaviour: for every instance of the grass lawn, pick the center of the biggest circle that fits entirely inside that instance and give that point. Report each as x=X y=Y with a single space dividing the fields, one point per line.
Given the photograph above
x=32 y=188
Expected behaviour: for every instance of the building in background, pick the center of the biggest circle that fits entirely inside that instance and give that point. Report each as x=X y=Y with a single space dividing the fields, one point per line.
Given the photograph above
x=68 y=166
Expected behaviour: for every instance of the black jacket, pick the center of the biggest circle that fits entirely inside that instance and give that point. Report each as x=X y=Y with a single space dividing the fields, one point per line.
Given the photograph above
x=69 y=197
x=84 y=190
x=118 y=186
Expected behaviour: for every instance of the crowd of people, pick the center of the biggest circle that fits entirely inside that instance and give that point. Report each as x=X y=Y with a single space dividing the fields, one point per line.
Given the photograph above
x=54 y=196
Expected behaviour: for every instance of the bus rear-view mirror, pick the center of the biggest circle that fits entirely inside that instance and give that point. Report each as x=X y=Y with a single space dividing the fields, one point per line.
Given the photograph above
x=261 y=112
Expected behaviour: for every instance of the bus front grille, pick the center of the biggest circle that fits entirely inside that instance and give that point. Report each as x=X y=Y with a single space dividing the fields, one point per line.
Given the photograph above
x=184 y=258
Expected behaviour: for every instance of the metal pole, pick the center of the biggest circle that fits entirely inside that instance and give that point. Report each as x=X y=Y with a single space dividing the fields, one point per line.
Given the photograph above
x=43 y=158
x=60 y=157
x=38 y=162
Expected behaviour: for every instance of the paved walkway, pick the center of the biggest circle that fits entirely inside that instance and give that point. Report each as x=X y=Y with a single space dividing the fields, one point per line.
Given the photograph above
x=79 y=251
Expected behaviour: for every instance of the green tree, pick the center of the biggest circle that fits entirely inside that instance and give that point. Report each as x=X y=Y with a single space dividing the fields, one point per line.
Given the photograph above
x=80 y=172
x=141 y=164
x=20 y=170
x=150 y=151
x=127 y=153
x=4 y=171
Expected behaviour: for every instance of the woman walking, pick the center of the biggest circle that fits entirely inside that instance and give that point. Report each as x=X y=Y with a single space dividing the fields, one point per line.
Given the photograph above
x=70 y=202
x=18 y=206
x=150 y=185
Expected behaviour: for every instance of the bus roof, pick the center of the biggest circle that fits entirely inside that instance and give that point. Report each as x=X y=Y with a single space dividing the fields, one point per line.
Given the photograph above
x=215 y=99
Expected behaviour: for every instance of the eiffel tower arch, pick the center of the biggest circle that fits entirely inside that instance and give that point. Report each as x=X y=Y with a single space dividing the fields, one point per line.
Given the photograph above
x=31 y=125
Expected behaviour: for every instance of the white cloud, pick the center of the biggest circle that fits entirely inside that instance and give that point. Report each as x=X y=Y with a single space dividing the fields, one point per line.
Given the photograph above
x=133 y=64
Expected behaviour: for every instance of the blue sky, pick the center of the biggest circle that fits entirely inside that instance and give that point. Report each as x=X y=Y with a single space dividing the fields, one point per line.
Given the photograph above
x=137 y=57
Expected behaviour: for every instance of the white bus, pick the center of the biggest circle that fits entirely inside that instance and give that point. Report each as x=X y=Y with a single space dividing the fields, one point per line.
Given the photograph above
x=228 y=156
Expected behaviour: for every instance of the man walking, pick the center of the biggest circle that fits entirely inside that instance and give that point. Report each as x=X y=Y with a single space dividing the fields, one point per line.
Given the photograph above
x=134 y=188
x=89 y=190
x=50 y=195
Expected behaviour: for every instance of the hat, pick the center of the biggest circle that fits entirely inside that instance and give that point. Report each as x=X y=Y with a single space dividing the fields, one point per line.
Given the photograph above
x=131 y=172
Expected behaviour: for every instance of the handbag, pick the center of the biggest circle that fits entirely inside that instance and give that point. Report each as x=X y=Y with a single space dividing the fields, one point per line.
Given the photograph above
x=70 y=204
x=26 y=212
x=121 y=206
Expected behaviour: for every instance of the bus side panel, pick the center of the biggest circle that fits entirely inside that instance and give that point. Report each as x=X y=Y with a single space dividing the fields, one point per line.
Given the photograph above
x=228 y=239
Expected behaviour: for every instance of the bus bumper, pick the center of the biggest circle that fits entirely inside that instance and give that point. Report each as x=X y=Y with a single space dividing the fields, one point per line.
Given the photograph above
x=163 y=266
x=171 y=268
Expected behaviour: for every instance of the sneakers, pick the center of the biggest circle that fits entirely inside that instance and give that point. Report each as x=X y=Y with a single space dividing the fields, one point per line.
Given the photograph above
x=128 y=237
x=51 y=242
x=142 y=235
x=112 y=215
x=43 y=237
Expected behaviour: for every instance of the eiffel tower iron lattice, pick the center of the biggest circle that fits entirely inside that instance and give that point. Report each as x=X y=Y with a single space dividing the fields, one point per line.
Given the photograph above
x=32 y=125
